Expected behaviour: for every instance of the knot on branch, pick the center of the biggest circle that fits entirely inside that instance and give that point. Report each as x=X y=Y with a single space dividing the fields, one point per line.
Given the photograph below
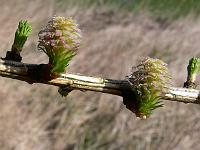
x=13 y=55
x=41 y=73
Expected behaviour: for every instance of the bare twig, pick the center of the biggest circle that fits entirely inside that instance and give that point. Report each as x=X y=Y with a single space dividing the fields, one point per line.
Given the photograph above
x=19 y=71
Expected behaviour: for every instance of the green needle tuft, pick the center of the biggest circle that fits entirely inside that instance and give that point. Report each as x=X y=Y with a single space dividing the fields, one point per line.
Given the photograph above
x=193 y=69
x=21 y=35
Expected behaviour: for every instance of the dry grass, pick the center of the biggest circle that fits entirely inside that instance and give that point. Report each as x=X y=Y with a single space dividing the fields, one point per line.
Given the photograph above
x=36 y=117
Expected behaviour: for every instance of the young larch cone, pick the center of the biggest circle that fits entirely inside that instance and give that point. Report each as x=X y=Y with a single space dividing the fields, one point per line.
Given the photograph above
x=60 y=40
x=149 y=80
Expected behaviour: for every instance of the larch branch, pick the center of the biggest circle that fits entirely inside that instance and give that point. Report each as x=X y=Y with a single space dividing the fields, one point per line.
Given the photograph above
x=19 y=71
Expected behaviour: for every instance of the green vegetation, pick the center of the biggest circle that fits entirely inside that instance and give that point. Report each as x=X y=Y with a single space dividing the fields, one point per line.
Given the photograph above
x=21 y=35
x=193 y=69
x=165 y=9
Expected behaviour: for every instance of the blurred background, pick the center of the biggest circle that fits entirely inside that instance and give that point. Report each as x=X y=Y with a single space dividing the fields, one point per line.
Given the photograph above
x=115 y=34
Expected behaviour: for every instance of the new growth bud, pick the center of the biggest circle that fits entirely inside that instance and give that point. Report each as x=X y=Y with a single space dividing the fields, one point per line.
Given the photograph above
x=21 y=35
x=193 y=69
